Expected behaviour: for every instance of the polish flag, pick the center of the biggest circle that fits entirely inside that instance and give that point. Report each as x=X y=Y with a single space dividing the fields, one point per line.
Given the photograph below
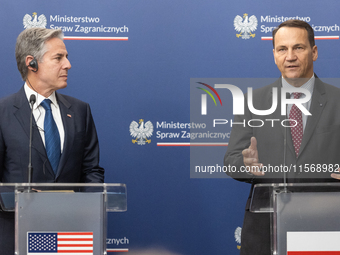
x=313 y=243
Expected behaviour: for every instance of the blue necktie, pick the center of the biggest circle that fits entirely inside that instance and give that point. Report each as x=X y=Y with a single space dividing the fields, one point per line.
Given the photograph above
x=52 y=138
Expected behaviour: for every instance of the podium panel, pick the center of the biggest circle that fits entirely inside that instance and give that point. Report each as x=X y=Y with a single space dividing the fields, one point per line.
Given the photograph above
x=40 y=215
x=304 y=216
x=61 y=218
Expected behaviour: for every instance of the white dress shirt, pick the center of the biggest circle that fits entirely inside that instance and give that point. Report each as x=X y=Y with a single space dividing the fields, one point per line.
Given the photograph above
x=309 y=85
x=39 y=114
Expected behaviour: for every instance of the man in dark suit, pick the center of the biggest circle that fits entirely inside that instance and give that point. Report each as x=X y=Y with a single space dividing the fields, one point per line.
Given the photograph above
x=73 y=157
x=258 y=148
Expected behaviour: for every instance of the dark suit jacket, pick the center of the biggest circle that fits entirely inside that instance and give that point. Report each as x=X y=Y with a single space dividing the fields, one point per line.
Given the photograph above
x=79 y=161
x=320 y=145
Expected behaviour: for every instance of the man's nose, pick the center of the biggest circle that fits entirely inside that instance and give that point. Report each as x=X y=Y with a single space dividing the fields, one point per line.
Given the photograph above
x=67 y=64
x=291 y=56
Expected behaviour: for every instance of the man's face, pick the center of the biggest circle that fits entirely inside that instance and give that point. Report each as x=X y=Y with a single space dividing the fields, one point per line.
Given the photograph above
x=293 y=53
x=53 y=68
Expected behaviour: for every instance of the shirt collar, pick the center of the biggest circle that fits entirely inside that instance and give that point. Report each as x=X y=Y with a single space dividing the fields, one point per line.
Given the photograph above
x=39 y=98
x=309 y=85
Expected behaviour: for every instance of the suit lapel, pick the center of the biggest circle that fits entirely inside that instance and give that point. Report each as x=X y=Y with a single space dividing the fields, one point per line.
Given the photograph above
x=318 y=104
x=316 y=108
x=68 y=123
x=22 y=113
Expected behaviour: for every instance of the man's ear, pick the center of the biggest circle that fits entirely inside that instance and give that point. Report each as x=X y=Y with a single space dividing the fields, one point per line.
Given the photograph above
x=31 y=63
x=28 y=59
x=315 y=52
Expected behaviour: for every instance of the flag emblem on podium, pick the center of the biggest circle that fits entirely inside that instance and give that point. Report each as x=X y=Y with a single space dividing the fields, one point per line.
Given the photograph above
x=75 y=243
x=313 y=243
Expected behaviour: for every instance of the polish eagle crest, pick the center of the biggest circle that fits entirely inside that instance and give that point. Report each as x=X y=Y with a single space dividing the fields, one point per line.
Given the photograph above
x=245 y=27
x=141 y=132
x=237 y=235
x=34 y=21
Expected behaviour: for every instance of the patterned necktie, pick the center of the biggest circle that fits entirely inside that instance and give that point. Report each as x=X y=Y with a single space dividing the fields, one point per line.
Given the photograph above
x=297 y=130
x=52 y=138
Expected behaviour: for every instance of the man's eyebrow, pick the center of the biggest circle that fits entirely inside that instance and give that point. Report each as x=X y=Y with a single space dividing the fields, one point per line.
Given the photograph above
x=295 y=45
x=61 y=54
x=280 y=46
x=299 y=44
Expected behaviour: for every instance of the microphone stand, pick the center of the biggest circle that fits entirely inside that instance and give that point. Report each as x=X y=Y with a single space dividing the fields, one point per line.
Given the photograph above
x=284 y=156
x=284 y=162
x=30 y=167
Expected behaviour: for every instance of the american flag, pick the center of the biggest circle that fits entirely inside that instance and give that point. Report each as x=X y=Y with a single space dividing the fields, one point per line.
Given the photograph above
x=67 y=243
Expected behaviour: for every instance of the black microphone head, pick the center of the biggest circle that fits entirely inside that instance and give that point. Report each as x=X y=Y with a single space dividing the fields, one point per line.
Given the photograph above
x=32 y=99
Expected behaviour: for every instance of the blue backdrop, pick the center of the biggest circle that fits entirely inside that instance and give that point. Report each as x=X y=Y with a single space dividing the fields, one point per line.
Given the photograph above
x=142 y=70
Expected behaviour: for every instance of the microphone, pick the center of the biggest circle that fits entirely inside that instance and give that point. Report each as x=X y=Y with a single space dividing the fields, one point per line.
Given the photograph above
x=30 y=168
x=32 y=99
x=284 y=154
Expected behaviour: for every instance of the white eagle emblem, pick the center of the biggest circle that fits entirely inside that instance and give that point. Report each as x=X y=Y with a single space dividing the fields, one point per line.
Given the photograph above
x=141 y=133
x=237 y=235
x=246 y=26
x=40 y=21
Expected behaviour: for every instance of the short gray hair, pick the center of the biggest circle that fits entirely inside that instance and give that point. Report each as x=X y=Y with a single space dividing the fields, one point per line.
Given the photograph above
x=32 y=42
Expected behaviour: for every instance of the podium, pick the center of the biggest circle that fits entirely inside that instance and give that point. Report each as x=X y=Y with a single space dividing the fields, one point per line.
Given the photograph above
x=304 y=216
x=63 y=218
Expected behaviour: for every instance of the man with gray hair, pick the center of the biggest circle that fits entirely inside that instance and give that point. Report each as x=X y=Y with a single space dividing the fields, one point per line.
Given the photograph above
x=65 y=145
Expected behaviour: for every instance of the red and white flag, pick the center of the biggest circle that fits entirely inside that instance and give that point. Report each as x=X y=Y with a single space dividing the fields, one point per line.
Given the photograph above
x=313 y=243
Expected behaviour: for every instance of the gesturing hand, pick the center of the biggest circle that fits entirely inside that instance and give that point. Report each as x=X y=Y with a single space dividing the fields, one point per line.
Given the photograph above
x=251 y=158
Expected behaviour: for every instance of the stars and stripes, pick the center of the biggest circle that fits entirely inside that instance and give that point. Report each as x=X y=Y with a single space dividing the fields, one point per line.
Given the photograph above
x=75 y=243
